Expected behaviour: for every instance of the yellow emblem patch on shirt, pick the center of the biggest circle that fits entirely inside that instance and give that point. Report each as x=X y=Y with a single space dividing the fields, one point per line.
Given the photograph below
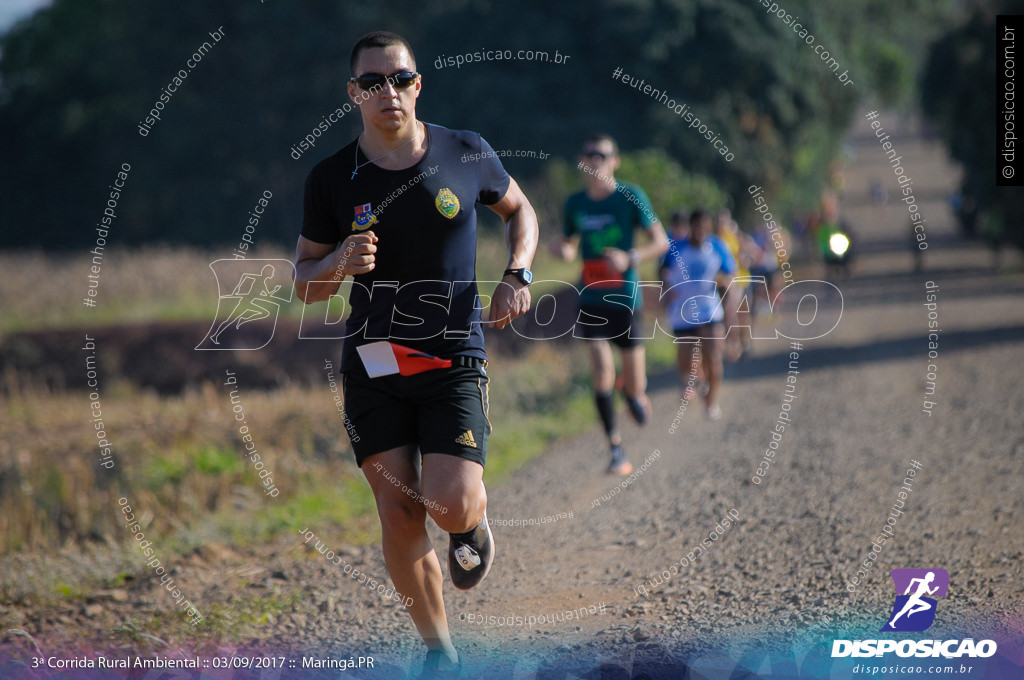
x=447 y=203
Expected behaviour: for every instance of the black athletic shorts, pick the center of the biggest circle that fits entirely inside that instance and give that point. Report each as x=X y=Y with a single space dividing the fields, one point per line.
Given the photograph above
x=441 y=411
x=616 y=323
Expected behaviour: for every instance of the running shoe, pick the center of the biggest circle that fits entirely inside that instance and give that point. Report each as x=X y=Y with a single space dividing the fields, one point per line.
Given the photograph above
x=470 y=555
x=619 y=464
x=437 y=666
x=713 y=412
x=639 y=408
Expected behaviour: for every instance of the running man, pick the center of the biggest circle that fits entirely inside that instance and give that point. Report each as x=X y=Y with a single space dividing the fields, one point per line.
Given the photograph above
x=250 y=306
x=737 y=316
x=401 y=204
x=599 y=223
x=835 y=240
x=766 y=268
x=693 y=268
x=914 y=603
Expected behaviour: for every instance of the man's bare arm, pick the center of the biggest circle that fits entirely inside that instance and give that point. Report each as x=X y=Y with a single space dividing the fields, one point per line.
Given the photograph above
x=521 y=229
x=511 y=299
x=657 y=247
x=328 y=265
x=567 y=248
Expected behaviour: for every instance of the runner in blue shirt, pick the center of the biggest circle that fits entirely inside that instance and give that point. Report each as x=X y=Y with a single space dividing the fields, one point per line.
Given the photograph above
x=693 y=268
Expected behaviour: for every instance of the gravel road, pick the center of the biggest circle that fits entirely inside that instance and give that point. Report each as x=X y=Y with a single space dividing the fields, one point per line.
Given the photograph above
x=781 y=552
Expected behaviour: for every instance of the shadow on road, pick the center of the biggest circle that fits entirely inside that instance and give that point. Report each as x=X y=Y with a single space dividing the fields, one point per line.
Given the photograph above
x=851 y=355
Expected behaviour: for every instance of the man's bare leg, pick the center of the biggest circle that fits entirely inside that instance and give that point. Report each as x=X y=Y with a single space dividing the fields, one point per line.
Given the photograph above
x=603 y=366
x=634 y=381
x=689 y=373
x=713 y=351
x=634 y=371
x=408 y=552
x=456 y=486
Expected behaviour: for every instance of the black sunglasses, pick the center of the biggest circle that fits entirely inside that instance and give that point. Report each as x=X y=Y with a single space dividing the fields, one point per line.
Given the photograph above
x=594 y=154
x=400 y=80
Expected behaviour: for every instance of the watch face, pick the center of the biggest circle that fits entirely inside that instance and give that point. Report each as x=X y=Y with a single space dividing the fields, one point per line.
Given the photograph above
x=524 y=275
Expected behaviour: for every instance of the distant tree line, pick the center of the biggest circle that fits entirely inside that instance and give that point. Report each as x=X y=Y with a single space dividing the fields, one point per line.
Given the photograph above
x=959 y=95
x=89 y=85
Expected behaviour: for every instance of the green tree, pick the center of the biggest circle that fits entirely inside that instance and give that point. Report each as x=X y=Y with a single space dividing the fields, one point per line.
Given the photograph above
x=958 y=94
x=78 y=77
x=71 y=101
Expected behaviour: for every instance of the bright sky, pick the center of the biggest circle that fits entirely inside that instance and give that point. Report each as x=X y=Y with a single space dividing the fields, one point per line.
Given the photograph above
x=12 y=10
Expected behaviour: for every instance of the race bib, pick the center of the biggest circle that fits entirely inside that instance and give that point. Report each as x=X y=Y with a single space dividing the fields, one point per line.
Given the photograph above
x=599 y=273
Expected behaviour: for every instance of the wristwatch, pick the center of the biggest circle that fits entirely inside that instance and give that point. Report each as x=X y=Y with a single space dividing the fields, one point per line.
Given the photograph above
x=524 y=275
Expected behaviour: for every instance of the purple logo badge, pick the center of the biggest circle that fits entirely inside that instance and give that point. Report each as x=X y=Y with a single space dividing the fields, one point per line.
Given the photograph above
x=917 y=591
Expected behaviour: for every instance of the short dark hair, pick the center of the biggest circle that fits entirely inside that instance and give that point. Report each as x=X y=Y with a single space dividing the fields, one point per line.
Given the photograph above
x=697 y=215
x=599 y=137
x=378 y=39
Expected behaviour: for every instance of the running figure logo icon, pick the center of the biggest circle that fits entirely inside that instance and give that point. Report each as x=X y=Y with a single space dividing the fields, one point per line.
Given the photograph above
x=914 y=609
x=255 y=297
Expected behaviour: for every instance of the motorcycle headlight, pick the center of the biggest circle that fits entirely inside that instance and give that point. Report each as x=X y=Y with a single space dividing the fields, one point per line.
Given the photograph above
x=838 y=244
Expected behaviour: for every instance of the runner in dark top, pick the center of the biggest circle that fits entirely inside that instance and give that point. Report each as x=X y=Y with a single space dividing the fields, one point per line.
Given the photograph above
x=396 y=211
x=599 y=223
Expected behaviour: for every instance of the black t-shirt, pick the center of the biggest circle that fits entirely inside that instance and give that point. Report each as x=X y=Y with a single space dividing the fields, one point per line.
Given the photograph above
x=422 y=292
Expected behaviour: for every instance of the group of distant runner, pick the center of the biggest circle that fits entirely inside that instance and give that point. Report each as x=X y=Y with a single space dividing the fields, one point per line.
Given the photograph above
x=697 y=268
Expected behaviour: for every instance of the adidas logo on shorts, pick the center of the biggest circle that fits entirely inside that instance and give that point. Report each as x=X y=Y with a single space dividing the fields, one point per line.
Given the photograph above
x=466 y=439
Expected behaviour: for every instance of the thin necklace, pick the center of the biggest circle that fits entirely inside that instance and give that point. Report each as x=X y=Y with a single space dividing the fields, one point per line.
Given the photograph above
x=374 y=160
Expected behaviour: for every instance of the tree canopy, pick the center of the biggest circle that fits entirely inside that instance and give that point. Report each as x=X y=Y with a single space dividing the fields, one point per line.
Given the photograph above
x=959 y=95
x=79 y=77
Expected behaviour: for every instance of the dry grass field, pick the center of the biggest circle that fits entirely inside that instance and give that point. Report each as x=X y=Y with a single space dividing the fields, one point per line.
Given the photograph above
x=179 y=456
